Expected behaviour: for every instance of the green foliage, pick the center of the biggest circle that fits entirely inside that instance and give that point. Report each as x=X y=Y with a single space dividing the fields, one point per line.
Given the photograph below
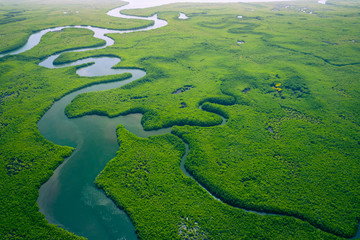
x=290 y=171
x=21 y=18
x=189 y=229
x=27 y=160
x=145 y=180
x=240 y=164
x=306 y=167
x=297 y=86
x=69 y=37
x=215 y=108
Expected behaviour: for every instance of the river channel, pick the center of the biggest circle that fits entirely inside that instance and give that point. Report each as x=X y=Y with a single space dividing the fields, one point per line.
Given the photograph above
x=69 y=198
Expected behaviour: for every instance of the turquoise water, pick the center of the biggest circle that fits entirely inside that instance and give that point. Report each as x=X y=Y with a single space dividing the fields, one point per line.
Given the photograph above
x=69 y=198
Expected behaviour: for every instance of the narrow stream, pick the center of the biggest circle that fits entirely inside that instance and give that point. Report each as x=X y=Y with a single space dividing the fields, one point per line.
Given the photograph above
x=69 y=198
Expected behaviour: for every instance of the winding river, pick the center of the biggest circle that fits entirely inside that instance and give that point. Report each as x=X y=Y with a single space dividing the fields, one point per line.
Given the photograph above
x=69 y=198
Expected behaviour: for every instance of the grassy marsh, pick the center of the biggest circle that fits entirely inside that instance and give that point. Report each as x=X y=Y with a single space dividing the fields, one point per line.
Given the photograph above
x=307 y=166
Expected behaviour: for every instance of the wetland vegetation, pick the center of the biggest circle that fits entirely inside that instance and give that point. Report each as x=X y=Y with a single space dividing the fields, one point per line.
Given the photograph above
x=289 y=92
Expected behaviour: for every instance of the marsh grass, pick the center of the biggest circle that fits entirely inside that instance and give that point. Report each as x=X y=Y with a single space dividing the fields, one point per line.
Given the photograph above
x=306 y=169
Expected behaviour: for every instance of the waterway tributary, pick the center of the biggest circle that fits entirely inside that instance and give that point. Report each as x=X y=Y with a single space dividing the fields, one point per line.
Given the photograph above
x=69 y=198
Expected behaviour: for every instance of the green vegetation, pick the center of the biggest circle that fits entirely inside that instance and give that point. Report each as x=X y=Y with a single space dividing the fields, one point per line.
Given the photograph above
x=27 y=160
x=146 y=181
x=18 y=19
x=70 y=37
x=290 y=94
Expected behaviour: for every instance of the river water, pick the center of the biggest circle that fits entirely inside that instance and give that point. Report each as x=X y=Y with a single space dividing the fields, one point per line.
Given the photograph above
x=69 y=198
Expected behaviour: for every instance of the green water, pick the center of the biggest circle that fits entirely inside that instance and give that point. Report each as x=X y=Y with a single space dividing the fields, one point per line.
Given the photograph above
x=70 y=198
